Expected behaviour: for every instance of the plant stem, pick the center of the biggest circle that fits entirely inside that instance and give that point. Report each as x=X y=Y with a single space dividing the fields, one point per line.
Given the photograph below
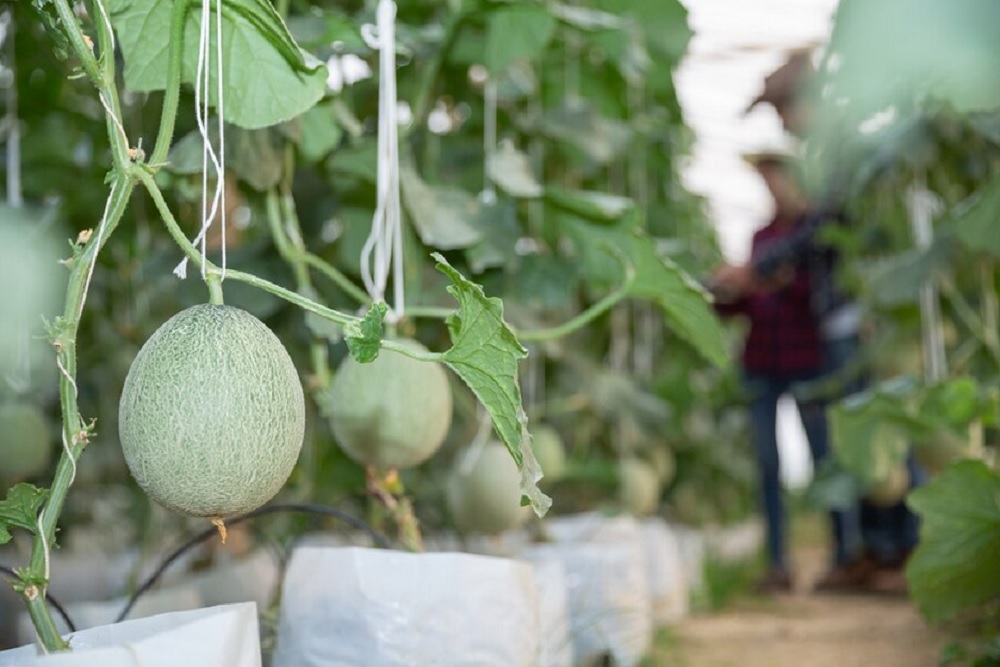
x=75 y=434
x=83 y=51
x=338 y=278
x=214 y=283
x=171 y=95
x=350 y=323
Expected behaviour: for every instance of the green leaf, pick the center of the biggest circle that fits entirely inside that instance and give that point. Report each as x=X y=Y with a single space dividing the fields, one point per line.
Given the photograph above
x=510 y=169
x=868 y=433
x=663 y=22
x=597 y=206
x=61 y=45
x=255 y=156
x=267 y=78
x=364 y=345
x=445 y=218
x=20 y=509
x=955 y=566
x=975 y=225
x=658 y=279
x=319 y=132
x=517 y=32
x=485 y=353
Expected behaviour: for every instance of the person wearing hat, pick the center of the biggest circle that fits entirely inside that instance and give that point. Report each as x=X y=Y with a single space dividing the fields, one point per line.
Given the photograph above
x=782 y=349
x=887 y=535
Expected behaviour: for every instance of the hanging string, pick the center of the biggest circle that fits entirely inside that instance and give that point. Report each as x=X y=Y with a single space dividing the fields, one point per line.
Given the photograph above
x=489 y=193
x=202 y=90
x=383 y=249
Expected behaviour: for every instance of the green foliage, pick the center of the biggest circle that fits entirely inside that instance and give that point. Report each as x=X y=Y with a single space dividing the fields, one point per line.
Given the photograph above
x=484 y=353
x=975 y=224
x=955 y=566
x=364 y=348
x=518 y=31
x=20 y=509
x=267 y=77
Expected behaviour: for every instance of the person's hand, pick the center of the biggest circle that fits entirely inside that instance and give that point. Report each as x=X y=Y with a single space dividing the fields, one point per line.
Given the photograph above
x=734 y=278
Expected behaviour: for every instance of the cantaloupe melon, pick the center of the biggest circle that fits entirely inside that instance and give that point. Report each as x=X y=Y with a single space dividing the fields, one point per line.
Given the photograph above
x=892 y=488
x=638 y=486
x=391 y=413
x=212 y=413
x=484 y=495
x=549 y=452
x=25 y=442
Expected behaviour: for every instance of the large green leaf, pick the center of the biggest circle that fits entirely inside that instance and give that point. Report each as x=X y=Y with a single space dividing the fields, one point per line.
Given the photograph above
x=956 y=565
x=663 y=22
x=866 y=440
x=485 y=353
x=976 y=224
x=20 y=509
x=658 y=279
x=267 y=78
x=444 y=217
x=517 y=32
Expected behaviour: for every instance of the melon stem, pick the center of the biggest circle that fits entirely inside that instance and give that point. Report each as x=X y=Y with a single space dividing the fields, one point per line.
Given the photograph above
x=214 y=284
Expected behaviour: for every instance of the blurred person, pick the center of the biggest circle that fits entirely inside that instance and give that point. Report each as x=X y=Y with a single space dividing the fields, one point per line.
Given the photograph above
x=887 y=534
x=783 y=349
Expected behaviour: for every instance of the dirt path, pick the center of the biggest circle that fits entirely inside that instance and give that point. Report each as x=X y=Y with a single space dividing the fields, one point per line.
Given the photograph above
x=804 y=630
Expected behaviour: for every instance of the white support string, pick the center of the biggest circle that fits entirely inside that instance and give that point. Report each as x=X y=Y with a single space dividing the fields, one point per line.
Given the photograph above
x=489 y=193
x=383 y=248
x=202 y=92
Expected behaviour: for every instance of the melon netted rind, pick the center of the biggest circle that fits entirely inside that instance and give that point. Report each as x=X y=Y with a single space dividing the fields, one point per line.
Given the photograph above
x=25 y=442
x=391 y=413
x=486 y=498
x=212 y=414
x=639 y=486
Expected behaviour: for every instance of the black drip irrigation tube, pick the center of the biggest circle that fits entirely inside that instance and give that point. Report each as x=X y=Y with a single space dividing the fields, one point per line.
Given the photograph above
x=51 y=600
x=301 y=508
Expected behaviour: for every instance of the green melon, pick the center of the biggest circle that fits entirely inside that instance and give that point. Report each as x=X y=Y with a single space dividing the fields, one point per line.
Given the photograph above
x=212 y=414
x=638 y=486
x=661 y=457
x=549 y=452
x=485 y=496
x=25 y=443
x=892 y=488
x=936 y=452
x=391 y=413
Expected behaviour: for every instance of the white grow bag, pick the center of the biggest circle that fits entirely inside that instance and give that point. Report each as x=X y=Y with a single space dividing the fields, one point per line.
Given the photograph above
x=553 y=604
x=214 y=637
x=665 y=572
x=347 y=607
x=610 y=607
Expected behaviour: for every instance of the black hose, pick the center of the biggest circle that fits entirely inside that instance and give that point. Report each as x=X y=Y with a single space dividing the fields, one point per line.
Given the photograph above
x=306 y=508
x=48 y=598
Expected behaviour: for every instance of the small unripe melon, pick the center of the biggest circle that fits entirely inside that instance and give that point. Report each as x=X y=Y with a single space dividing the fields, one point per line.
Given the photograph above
x=661 y=457
x=638 y=486
x=391 y=413
x=25 y=443
x=485 y=496
x=212 y=414
x=549 y=452
x=892 y=488
x=936 y=452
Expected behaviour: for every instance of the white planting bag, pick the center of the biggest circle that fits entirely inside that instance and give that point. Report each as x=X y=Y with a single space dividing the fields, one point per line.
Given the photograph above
x=87 y=615
x=553 y=604
x=610 y=608
x=665 y=574
x=215 y=637
x=253 y=578
x=693 y=551
x=354 y=607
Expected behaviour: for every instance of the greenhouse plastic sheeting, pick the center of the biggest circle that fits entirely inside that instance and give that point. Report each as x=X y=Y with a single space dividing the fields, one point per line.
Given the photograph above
x=668 y=588
x=379 y=608
x=608 y=599
x=224 y=636
x=553 y=603
x=87 y=615
x=693 y=551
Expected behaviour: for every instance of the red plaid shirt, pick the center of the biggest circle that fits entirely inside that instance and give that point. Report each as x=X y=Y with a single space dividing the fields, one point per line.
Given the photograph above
x=784 y=336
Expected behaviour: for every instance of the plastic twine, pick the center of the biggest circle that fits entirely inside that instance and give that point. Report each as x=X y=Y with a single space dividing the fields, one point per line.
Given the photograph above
x=202 y=91
x=383 y=249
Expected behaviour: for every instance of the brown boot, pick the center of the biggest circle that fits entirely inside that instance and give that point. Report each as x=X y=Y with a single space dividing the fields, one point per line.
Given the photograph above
x=777 y=580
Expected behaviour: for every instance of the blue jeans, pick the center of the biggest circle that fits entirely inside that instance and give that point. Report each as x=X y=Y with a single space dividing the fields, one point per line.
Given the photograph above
x=888 y=534
x=764 y=391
